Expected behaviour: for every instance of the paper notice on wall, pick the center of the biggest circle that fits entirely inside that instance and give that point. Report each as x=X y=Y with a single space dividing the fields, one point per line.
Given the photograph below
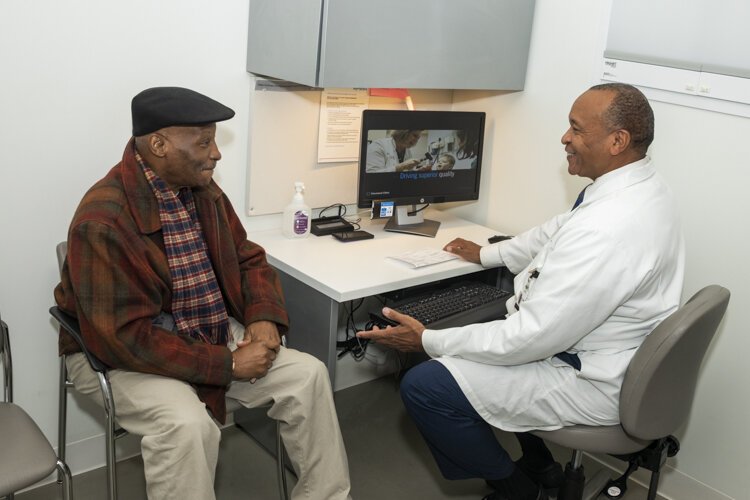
x=340 y=124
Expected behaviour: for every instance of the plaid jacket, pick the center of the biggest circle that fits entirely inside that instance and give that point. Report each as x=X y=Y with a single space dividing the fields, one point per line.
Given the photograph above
x=116 y=280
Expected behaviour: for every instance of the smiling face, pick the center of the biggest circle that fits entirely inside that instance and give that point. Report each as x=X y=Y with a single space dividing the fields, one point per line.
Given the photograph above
x=590 y=145
x=187 y=155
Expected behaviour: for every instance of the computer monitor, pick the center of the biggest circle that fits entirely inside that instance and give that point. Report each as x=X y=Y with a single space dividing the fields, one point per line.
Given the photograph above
x=411 y=158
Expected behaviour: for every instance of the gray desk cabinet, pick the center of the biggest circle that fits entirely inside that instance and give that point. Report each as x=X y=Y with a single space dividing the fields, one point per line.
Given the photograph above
x=428 y=44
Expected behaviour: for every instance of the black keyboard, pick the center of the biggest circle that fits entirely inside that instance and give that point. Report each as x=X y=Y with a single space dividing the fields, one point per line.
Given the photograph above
x=460 y=304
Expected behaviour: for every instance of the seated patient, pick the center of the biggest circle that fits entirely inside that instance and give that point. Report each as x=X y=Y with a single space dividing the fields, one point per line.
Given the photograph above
x=171 y=295
x=591 y=284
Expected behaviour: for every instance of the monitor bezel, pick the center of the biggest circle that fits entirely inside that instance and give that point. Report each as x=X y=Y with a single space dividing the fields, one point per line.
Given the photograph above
x=389 y=119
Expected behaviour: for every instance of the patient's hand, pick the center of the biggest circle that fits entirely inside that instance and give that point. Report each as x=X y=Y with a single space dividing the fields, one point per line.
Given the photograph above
x=265 y=331
x=252 y=360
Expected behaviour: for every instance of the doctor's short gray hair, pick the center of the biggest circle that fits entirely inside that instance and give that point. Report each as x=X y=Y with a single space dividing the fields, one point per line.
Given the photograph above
x=629 y=111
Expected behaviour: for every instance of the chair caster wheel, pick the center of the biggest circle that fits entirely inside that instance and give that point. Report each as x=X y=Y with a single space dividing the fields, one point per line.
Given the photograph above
x=614 y=490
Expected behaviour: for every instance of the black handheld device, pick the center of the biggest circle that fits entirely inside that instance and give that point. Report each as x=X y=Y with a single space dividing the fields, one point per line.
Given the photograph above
x=347 y=236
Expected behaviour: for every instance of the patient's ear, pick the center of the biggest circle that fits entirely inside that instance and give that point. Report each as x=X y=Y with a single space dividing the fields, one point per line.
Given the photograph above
x=157 y=145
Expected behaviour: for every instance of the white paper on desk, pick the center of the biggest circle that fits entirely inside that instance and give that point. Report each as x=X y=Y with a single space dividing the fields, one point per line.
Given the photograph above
x=421 y=258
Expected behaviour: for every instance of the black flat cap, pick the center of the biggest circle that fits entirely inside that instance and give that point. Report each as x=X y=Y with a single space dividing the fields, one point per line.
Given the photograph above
x=160 y=107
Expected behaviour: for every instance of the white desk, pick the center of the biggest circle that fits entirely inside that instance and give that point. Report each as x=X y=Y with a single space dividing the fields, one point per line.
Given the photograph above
x=319 y=273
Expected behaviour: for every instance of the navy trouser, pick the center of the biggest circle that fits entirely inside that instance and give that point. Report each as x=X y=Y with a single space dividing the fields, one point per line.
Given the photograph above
x=463 y=444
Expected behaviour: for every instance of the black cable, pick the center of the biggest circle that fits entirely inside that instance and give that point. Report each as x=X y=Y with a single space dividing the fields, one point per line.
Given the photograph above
x=354 y=345
x=350 y=320
x=353 y=220
x=340 y=206
x=415 y=212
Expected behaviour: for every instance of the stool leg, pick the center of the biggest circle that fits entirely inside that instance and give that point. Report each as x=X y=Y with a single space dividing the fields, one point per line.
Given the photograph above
x=653 y=485
x=572 y=488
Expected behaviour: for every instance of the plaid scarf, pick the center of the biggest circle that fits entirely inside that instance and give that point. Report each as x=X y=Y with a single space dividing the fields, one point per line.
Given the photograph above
x=197 y=304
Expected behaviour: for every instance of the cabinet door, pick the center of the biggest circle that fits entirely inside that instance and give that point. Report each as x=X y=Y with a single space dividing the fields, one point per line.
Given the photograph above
x=440 y=44
x=283 y=39
x=466 y=44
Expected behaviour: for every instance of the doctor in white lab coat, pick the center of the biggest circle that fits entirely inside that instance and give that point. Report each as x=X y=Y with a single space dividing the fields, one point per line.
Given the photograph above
x=590 y=285
x=393 y=153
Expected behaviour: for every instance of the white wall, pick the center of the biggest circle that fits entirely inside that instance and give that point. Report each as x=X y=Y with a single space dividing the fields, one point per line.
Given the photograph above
x=69 y=70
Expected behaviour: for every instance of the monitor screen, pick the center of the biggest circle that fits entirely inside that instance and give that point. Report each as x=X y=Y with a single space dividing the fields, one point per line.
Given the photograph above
x=418 y=157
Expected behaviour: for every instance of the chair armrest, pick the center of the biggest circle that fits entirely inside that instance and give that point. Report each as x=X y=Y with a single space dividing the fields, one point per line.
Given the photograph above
x=70 y=324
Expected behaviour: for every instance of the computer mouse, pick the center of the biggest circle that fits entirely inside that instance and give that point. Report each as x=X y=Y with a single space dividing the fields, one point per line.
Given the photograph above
x=498 y=237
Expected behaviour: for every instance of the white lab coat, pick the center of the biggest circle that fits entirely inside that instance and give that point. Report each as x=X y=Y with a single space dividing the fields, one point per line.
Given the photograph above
x=383 y=157
x=608 y=273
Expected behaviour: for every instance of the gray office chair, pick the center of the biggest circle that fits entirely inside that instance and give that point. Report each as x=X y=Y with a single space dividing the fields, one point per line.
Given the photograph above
x=655 y=399
x=112 y=432
x=26 y=457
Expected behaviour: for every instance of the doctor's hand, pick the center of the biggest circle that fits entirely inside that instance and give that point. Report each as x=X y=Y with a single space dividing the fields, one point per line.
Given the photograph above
x=406 y=336
x=407 y=165
x=467 y=250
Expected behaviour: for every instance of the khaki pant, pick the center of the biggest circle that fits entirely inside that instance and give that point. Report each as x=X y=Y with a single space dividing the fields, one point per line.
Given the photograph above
x=181 y=441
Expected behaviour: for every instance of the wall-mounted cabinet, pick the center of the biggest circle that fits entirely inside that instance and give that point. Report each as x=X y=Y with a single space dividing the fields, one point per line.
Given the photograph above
x=429 y=44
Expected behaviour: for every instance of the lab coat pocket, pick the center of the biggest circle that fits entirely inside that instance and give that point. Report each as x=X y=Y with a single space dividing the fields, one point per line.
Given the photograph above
x=526 y=288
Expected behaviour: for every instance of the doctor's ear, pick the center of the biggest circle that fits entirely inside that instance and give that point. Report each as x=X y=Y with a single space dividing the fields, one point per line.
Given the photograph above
x=620 y=141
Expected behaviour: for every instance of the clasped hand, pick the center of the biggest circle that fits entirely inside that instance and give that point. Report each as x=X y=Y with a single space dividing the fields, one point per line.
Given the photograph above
x=257 y=351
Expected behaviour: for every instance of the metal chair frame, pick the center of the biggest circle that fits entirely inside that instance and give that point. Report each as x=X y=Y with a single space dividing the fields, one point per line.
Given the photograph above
x=112 y=432
x=64 y=475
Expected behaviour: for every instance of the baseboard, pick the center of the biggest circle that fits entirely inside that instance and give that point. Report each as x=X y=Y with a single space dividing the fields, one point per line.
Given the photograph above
x=673 y=484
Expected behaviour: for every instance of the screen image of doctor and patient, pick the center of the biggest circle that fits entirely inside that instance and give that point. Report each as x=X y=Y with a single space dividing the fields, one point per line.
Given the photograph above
x=420 y=151
x=410 y=158
x=425 y=165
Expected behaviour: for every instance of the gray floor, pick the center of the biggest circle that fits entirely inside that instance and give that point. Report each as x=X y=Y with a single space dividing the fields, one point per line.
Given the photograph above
x=387 y=459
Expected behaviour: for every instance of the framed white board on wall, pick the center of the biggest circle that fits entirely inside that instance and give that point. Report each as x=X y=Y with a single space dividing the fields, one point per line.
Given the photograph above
x=282 y=149
x=688 y=52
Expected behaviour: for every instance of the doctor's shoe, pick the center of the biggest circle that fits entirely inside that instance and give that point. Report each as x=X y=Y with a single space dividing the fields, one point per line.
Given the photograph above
x=550 y=477
x=541 y=495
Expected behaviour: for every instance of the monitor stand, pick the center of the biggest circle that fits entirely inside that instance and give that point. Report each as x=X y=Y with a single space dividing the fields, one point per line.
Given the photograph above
x=402 y=222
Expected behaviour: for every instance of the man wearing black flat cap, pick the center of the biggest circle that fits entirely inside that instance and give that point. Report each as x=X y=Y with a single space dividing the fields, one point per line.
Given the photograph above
x=171 y=295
